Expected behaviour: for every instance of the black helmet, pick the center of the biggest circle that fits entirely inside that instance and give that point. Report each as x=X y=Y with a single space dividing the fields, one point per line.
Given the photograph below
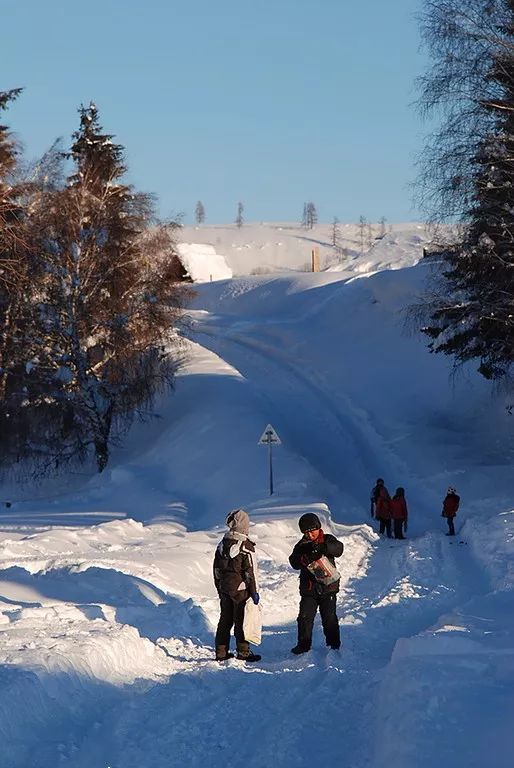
x=309 y=522
x=400 y=492
x=380 y=481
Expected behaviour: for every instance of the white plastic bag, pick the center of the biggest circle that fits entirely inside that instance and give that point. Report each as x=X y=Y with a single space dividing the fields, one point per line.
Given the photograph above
x=252 y=623
x=323 y=571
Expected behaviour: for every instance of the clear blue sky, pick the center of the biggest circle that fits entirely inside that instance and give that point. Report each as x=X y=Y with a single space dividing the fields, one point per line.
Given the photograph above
x=271 y=102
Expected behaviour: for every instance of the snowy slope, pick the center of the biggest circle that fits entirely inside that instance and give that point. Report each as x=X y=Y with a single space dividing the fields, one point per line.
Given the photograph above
x=107 y=607
x=278 y=247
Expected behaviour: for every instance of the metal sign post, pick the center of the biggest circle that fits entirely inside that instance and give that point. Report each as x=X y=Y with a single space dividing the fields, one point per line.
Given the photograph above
x=270 y=438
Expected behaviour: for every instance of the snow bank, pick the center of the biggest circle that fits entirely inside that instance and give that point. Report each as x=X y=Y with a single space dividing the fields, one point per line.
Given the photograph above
x=447 y=694
x=202 y=262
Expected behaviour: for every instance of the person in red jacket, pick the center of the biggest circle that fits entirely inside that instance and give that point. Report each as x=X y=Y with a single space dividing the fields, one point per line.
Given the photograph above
x=399 y=513
x=382 y=501
x=450 y=507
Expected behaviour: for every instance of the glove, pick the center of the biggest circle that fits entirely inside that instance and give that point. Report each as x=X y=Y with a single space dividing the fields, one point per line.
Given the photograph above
x=318 y=550
x=255 y=597
x=310 y=558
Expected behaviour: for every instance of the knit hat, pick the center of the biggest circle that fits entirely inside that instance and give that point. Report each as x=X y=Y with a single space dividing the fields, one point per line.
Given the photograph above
x=238 y=521
x=309 y=522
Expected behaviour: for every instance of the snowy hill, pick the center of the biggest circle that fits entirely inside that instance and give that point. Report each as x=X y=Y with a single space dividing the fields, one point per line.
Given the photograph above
x=107 y=606
x=278 y=247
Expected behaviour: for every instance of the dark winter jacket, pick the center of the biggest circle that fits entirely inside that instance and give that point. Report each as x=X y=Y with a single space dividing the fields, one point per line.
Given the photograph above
x=382 y=503
x=234 y=567
x=450 y=505
x=398 y=507
x=305 y=552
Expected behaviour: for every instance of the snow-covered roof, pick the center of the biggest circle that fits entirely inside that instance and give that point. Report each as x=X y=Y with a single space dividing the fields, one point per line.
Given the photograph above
x=203 y=263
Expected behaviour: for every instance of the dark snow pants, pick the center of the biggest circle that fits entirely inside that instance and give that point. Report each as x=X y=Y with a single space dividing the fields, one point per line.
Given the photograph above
x=398 y=528
x=385 y=525
x=232 y=615
x=327 y=608
x=451 y=527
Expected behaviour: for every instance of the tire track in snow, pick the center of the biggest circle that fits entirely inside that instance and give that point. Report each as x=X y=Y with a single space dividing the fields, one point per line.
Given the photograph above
x=303 y=408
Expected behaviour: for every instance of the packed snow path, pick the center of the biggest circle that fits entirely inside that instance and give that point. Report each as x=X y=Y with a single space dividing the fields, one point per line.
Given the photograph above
x=120 y=672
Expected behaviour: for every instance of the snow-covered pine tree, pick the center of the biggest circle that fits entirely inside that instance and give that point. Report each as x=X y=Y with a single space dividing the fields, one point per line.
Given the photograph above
x=15 y=291
x=11 y=240
x=10 y=193
x=472 y=42
x=107 y=302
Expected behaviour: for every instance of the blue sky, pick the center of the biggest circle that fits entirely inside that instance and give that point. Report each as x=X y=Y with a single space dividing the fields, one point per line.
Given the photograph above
x=271 y=102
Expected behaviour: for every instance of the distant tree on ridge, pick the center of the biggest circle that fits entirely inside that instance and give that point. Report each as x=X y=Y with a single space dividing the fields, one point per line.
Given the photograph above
x=199 y=212
x=239 y=217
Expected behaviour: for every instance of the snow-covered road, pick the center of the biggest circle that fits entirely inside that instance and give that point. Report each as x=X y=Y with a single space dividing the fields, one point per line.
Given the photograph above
x=103 y=663
x=106 y=630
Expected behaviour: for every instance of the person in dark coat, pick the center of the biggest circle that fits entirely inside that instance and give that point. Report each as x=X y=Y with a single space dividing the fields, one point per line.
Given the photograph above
x=399 y=513
x=380 y=504
x=450 y=507
x=235 y=578
x=313 y=594
x=374 y=496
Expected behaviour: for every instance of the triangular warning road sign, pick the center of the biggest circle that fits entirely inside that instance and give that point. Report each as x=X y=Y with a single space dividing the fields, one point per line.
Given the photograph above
x=269 y=437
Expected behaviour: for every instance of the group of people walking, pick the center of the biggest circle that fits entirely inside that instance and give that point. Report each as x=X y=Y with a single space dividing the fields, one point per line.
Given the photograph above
x=236 y=573
x=386 y=509
x=236 y=580
x=394 y=510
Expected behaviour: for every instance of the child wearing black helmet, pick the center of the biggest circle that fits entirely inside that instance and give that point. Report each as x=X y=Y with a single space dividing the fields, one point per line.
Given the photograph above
x=315 y=594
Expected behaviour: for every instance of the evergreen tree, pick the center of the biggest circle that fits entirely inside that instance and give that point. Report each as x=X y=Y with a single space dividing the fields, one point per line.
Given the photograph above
x=15 y=289
x=11 y=267
x=239 y=217
x=107 y=302
x=336 y=233
x=473 y=78
x=199 y=213
x=362 y=232
x=304 y=216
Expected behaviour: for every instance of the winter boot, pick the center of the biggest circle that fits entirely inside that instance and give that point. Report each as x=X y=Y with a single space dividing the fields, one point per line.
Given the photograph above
x=245 y=654
x=298 y=649
x=222 y=654
x=249 y=657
